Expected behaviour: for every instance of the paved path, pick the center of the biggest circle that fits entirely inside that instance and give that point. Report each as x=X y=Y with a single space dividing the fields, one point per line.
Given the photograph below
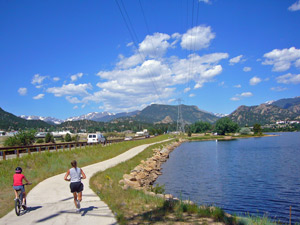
x=50 y=202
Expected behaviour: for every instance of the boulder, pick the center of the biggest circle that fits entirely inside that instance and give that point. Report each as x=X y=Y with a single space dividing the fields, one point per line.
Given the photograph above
x=129 y=177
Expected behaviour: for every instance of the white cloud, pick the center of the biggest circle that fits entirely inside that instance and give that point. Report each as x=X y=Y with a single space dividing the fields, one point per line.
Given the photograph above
x=186 y=90
x=130 y=44
x=282 y=59
x=238 y=86
x=131 y=61
x=38 y=79
x=70 y=89
x=238 y=97
x=235 y=60
x=203 y=69
x=192 y=95
x=39 y=96
x=297 y=63
x=22 y=91
x=154 y=45
x=254 y=80
x=153 y=81
x=278 y=89
x=73 y=100
x=247 y=69
x=246 y=94
x=75 y=107
x=295 y=6
x=289 y=79
x=197 y=38
x=76 y=76
x=56 y=78
x=235 y=99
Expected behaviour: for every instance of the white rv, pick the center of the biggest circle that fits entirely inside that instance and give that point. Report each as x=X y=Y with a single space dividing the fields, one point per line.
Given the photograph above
x=96 y=138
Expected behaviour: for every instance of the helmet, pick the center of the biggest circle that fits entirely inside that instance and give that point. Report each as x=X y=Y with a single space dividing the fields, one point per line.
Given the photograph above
x=18 y=170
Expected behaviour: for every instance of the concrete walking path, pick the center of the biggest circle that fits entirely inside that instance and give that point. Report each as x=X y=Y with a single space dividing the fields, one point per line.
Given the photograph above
x=51 y=202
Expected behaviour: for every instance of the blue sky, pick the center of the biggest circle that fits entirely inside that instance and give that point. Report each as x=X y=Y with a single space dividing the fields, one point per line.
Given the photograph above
x=68 y=58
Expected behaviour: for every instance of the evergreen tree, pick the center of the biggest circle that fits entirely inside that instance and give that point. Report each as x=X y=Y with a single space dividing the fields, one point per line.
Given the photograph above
x=68 y=137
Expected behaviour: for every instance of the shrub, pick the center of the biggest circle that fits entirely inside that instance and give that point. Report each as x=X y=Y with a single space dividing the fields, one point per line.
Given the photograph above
x=22 y=138
x=39 y=141
x=75 y=138
x=245 y=130
x=68 y=137
x=158 y=189
x=49 y=138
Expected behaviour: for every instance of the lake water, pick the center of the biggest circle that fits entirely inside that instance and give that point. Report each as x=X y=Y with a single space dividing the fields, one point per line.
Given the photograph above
x=255 y=175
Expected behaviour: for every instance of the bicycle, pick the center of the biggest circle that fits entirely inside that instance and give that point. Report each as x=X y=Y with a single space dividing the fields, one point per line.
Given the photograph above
x=18 y=202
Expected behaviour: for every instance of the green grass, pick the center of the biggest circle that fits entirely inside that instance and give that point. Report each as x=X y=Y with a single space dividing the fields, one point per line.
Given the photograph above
x=40 y=166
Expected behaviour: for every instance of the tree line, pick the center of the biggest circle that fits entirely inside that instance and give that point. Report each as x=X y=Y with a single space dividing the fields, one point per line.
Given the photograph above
x=221 y=127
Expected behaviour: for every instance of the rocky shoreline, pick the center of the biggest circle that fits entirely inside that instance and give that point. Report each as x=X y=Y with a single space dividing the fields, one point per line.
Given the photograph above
x=143 y=176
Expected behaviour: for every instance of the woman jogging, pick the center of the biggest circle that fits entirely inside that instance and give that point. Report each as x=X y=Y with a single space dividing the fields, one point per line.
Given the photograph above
x=76 y=174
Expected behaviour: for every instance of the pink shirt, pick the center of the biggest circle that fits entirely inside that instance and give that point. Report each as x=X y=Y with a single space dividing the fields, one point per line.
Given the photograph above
x=18 y=177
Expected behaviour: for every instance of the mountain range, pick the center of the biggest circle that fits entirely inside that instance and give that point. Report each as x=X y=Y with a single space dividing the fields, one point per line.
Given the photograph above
x=266 y=113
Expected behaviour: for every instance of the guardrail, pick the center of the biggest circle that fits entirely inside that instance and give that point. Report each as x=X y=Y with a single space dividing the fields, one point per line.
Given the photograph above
x=18 y=150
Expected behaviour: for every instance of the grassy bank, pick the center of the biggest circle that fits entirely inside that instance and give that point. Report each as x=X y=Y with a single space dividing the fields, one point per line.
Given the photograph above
x=38 y=167
x=135 y=207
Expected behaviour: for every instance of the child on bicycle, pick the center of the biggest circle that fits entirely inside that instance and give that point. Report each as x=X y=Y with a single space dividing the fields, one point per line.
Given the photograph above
x=18 y=184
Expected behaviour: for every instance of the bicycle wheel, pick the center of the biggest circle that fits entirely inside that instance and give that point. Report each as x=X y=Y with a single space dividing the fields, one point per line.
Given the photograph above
x=18 y=207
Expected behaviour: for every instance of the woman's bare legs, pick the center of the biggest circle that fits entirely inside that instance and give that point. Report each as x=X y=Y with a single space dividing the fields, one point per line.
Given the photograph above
x=75 y=198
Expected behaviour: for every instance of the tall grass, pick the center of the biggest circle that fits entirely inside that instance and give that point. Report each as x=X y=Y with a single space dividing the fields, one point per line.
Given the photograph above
x=40 y=166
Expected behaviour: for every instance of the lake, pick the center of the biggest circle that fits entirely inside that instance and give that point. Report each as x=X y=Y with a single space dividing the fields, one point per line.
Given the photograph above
x=256 y=175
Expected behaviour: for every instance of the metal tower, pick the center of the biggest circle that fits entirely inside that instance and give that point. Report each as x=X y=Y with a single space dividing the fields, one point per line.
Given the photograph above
x=180 y=123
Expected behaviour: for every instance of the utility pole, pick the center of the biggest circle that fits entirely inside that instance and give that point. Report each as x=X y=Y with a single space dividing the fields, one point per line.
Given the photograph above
x=180 y=123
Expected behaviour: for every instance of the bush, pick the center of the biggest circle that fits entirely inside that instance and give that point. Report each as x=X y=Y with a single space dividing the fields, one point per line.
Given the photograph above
x=49 y=138
x=68 y=138
x=75 y=138
x=245 y=130
x=39 y=141
x=158 y=189
x=22 y=138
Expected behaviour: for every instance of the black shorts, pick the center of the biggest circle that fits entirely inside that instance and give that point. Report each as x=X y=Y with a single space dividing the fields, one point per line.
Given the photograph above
x=76 y=187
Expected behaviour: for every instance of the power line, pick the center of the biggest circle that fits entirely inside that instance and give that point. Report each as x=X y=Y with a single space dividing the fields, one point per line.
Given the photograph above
x=135 y=41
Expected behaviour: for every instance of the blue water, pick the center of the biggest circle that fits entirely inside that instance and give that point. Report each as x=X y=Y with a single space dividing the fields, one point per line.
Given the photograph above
x=255 y=175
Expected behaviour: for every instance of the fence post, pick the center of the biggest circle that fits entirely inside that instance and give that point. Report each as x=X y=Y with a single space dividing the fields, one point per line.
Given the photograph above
x=18 y=153
x=55 y=147
x=70 y=146
x=290 y=215
x=28 y=150
x=4 y=158
x=40 y=149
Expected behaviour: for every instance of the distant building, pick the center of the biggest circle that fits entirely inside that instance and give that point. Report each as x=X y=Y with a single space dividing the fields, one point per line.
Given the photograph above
x=142 y=133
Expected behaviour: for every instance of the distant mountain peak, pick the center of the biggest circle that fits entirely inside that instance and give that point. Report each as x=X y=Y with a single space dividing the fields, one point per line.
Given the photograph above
x=269 y=102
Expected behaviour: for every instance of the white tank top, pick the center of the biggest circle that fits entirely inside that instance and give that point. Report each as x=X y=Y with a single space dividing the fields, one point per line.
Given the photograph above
x=75 y=174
